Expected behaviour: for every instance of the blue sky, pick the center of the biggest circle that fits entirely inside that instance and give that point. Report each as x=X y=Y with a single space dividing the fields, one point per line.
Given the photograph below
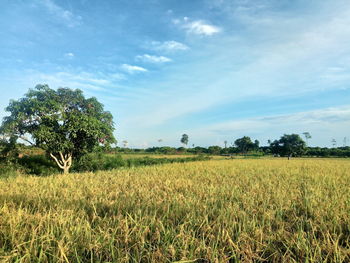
x=214 y=69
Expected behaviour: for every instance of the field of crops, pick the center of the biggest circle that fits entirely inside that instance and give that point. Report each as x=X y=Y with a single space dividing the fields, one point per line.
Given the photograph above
x=211 y=211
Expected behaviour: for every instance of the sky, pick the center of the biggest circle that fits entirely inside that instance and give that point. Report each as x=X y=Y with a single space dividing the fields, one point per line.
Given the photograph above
x=216 y=70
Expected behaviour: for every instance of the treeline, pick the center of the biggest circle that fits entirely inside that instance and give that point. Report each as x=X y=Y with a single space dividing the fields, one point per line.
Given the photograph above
x=217 y=150
x=288 y=145
x=328 y=152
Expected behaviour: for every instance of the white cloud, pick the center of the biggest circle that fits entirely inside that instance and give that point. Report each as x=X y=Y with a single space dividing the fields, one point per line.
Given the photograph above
x=323 y=124
x=88 y=81
x=153 y=59
x=62 y=14
x=133 y=69
x=321 y=116
x=168 y=46
x=200 y=28
x=82 y=80
x=197 y=27
x=69 y=55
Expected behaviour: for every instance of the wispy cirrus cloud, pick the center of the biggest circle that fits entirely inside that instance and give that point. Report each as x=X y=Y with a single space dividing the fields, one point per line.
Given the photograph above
x=62 y=14
x=197 y=27
x=168 y=46
x=321 y=117
x=152 y=59
x=80 y=80
x=323 y=124
x=133 y=69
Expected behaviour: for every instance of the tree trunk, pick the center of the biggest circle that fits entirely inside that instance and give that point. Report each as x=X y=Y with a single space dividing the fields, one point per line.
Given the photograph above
x=65 y=161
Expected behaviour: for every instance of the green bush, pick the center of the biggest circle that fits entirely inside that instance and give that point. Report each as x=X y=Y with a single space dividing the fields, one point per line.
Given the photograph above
x=38 y=165
x=42 y=165
x=98 y=161
x=7 y=170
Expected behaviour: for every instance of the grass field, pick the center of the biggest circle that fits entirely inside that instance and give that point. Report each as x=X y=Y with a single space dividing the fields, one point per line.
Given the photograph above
x=170 y=156
x=214 y=211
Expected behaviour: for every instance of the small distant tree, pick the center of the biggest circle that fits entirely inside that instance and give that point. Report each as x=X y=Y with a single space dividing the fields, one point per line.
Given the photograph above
x=256 y=145
x=334 y=143
x=307 y=136
x=125 y=143
x=184 y=139
x=245 y=144
x=288 y=145
x=62 y=122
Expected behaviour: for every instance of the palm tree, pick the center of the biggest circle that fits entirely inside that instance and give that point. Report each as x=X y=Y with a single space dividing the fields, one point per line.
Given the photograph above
x=334 y=143
x=307 y=137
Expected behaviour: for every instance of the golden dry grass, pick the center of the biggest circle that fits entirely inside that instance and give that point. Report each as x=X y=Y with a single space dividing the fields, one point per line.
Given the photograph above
x=142 y=155
x=213 y=211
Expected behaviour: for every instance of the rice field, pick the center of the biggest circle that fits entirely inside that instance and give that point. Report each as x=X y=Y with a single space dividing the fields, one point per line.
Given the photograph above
x=262 y=210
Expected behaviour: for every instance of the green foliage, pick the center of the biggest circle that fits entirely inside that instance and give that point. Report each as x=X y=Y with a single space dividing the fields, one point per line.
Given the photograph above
x=9 y=149
x=288 y=145
x=93 y=162
x=214 y=149
x=184 y=139
x=8 y=170
x=61 y=121
x=145 y=161
x=245 y=144
x=98 y=162
x=38 y=165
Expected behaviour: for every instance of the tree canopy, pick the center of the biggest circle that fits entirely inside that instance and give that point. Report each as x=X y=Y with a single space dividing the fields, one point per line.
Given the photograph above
x=245 y=144
x=184 y=139
x=288 y=145
x=62 y=122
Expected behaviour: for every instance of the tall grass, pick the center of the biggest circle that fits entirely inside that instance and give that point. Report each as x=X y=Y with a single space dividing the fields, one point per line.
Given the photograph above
x=214 y=211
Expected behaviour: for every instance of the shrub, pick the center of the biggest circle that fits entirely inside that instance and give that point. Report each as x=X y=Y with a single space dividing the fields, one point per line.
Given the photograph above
x=98 y=161
x=7 y=170
x=38 y=165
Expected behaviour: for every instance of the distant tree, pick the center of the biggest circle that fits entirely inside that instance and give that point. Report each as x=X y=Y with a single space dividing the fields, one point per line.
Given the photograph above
x=167 y=150
x=181 y=150
x=307 y=136
x=256 y=145
x=63 y=123
x=245 y=144
x=288 y=145
x=125 y=143
x=184 y=139
x=334 y=143
x=199 y=150
x=214 y=149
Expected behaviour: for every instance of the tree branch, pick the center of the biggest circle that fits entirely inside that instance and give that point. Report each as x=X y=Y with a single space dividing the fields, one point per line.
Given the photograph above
x=57 y=161
x=26 y=140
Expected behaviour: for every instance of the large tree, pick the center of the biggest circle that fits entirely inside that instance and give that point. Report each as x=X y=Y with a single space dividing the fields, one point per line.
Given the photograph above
x=62 y=122
x=245 y=144
x=288 y=145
